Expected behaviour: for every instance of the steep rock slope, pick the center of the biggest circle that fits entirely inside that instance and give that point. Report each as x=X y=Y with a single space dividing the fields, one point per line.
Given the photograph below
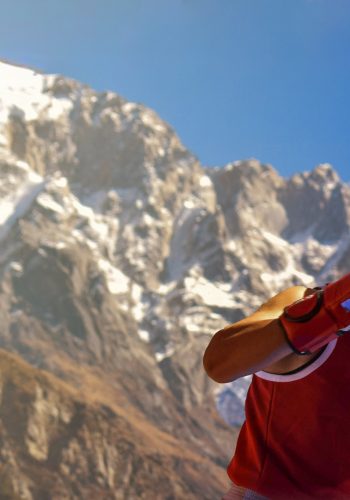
x=56 y=444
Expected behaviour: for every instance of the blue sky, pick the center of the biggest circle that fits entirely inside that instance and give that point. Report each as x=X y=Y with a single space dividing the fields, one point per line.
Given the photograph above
x=268 y=79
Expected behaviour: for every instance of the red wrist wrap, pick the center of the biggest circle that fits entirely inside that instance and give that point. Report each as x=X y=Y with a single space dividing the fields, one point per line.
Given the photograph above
x=315 y=320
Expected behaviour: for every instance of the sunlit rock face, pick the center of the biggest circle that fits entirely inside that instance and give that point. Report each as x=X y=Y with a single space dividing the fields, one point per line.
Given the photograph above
x=120 y=256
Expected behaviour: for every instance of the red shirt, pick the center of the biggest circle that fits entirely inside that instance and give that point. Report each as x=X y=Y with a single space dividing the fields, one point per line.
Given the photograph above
x=295 y=442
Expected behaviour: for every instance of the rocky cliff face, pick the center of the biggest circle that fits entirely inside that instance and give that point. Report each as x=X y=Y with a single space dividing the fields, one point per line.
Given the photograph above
x=57 y=444
x=120 y=256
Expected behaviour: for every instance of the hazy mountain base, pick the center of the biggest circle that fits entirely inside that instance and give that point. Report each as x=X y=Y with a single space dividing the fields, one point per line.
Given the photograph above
x=56 y=444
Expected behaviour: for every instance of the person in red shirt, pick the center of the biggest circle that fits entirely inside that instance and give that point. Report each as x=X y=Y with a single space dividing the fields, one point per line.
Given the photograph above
x=295 y=441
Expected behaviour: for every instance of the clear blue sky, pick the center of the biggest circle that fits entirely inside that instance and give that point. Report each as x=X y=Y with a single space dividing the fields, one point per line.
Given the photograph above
x=268 y=79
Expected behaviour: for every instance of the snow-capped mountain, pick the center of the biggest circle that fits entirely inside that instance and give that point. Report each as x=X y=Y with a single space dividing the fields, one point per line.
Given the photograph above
x=120 y=256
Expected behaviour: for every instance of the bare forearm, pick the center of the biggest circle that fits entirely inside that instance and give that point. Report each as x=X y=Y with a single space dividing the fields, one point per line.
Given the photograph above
x=254 y=343
x=244 y=348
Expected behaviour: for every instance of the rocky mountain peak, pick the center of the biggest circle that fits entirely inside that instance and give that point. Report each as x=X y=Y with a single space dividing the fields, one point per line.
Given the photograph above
x=325 y=172
x=120 y=256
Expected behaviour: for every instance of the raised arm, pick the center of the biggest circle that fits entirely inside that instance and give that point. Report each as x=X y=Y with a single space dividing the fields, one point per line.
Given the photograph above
x=255 y=343
x=284 y=334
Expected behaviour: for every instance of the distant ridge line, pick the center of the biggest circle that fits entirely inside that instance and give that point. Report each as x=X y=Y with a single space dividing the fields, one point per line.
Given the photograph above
x=24 y=66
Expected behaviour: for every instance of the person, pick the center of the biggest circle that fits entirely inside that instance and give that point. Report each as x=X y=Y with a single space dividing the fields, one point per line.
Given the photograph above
x=295 y=441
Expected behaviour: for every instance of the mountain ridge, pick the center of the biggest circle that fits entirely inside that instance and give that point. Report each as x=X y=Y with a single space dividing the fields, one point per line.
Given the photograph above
x=120 y=256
